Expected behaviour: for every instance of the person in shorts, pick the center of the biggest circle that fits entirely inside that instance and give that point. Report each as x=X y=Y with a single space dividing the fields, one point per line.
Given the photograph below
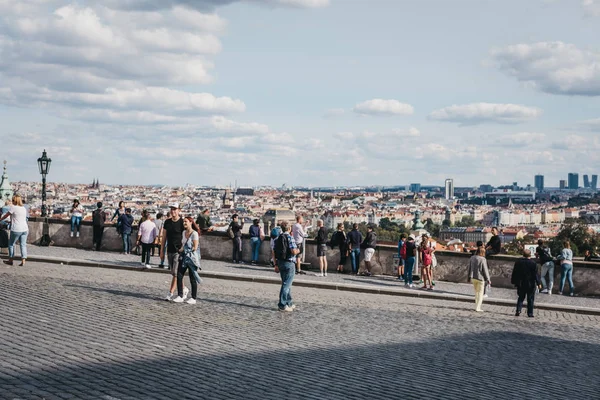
x=369 y=244
x=322 y=248
x=172 y=236
x=299 y=234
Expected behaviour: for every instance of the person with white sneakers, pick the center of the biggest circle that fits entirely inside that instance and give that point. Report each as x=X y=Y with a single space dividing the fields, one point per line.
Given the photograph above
x=76 y=217
x=147 y=234
x=189 y=259
x=171 y=239
x=322 y=248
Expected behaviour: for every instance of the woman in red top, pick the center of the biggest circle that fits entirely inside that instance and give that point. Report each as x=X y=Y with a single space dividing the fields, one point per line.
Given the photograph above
x=426 y=261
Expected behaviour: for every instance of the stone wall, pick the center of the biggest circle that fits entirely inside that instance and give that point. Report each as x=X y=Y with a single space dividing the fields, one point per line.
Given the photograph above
x=452 y=266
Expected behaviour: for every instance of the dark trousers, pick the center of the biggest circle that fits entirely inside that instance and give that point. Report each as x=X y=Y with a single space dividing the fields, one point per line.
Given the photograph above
x=146 y=248
x=98 y=233
x=180 y=274
x=237 y=249
x=530 y=294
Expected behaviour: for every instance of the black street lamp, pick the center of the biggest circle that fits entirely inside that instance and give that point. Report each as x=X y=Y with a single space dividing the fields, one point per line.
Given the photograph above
x=44 y=164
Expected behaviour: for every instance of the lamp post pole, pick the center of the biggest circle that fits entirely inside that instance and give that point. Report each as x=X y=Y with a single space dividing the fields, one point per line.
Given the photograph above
x=44 y=165
x=44 y=210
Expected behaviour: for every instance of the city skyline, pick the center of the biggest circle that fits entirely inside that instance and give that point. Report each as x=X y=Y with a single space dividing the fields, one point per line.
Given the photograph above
x=304 y=92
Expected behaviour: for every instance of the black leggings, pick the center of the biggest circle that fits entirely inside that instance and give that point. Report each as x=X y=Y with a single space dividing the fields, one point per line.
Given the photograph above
x=193 y=283
x=146 y=247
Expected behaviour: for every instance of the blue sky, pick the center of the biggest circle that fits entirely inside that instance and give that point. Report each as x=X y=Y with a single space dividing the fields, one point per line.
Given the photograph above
x=307 y=92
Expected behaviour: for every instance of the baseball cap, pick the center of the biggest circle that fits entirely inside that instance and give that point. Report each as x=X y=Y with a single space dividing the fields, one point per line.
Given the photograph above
x=411 y=236
x=174 y=205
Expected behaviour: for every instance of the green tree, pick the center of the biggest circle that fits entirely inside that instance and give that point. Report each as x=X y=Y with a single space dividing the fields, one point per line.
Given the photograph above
x=580 y=237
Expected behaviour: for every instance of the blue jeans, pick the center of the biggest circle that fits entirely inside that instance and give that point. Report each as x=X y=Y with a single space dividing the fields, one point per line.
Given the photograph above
x=126 y=243
x=255 y=245
x=408 y=270
x=354 y=260
x=75 y=223
x=567 y=273
x=287 y=270
x=14 y=236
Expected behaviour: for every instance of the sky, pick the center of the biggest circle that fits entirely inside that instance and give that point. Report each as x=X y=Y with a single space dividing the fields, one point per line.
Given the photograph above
x=302 y=92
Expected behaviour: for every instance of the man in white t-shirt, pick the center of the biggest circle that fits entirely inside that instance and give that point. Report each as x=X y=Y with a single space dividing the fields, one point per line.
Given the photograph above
x=299 y=234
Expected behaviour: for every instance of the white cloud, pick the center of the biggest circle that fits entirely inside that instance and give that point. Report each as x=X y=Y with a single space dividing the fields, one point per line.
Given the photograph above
x=552 y=67
x=478 y=113
x=578 y=143
x=383 y=107
x=522 y=139
x=591 y=7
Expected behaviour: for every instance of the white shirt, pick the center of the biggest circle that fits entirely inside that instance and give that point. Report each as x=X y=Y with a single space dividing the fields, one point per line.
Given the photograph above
x=298 y=233
x=148 y=232
x=78 y=211
x=18 y=219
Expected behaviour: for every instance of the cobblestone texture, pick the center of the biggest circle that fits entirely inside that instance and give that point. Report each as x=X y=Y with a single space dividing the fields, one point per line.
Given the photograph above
x=76 y=332
x=379 y=282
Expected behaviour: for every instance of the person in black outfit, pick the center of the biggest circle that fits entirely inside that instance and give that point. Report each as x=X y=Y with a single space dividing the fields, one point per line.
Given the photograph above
x=98 y=220
x=236 y=228
x=526 y=280
x=171 y=241
x=322 y=248
x=494 y=246
x=340 y=239
x=354 y=240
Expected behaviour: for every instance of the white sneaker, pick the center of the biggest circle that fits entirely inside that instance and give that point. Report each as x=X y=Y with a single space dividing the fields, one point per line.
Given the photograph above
x=169 y=297
x=411 y=285
x=549 y=292
x=545 y=291
x=77 y=235
x=286 y=309
x=319 y=274
x=485 y=296
x=148 y=266
x=185 y=292
x=71 y=234
x=325 y=273
x=178 y=300
x=191 y=301
x=293 y=307
x=143 y=264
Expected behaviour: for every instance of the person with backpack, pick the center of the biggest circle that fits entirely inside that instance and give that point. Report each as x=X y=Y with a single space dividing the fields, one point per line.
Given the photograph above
x=411 y=257
x=286 y=251
x=544 y=256
x=340 y=240
x=98 y=220
x=275 y=232
x=256 y=237
x=369 y=244
x=401 y=256
x=235 y=233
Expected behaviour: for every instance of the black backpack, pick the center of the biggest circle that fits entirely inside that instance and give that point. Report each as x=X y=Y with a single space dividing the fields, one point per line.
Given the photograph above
x=546 y=256
x=282 y=247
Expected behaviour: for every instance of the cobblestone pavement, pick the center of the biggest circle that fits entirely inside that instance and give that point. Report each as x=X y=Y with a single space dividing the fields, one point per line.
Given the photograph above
x=247 y=269
x=77 y=332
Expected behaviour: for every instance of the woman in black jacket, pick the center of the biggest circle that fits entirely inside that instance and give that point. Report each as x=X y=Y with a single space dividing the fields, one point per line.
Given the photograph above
x=340 y=239
x=322 y=248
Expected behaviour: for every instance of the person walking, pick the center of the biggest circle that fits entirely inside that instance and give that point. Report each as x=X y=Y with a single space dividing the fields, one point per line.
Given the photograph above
x=204 y=223
x=544 y=256
x=118 y=212
x=257 y=235
x=401 y=256
x=76 y=217
x=236 y=231
x=526 y=280
x=286 y=252
x=171 y=243
x=147 y=234
x=478 y=274
x=355 y=239
x=190 y=260
x=411 y=258
x=126 y=221
x=322 y=235
x=18 y=229
x=299 y=235
x=340 y=239
x=427 y=260
x=98 y=221
x=369 y=244
x=566 y=264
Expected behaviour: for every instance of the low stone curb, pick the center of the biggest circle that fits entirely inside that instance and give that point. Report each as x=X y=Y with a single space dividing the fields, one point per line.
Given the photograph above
x=298 y=282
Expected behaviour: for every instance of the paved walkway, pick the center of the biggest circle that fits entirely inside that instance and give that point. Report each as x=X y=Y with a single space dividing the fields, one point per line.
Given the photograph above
x=378 y=282
x=72 y=332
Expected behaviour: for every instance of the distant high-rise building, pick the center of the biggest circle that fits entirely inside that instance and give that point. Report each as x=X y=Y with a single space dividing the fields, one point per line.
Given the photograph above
x=586 y=181
x=594 y=183
x=449 y=184
x=573 y=181
x=563 y=184
x=486 y=188
x=539 y=183
x=415 y=187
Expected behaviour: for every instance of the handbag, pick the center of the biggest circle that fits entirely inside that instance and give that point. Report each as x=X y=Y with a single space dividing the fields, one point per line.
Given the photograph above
x=230 y=232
